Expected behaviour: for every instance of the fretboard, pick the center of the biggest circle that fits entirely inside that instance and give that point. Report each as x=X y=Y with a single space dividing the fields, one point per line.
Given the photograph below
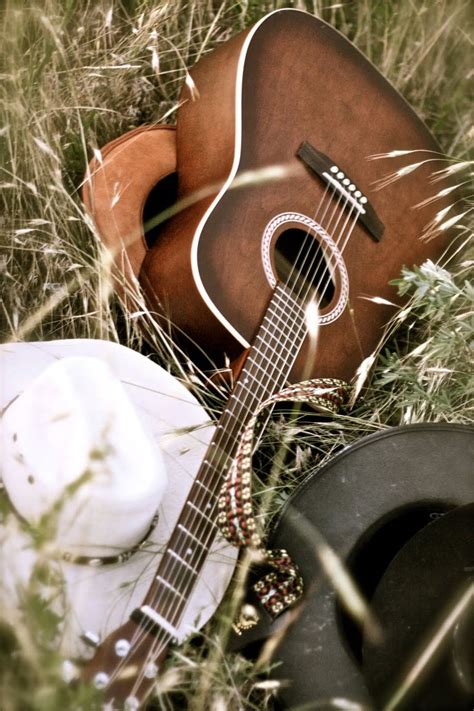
x=266 y=370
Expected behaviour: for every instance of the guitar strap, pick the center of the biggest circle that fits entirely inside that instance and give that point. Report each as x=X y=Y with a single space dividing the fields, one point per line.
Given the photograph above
x=280 y=588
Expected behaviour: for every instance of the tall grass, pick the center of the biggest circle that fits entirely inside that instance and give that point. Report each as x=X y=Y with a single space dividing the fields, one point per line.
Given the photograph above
x=76 y=75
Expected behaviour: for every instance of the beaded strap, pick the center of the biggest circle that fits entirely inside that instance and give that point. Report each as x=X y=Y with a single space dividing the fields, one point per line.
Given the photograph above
x=283 y=585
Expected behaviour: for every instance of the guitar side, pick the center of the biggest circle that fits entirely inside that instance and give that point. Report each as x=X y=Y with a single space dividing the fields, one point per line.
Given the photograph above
x=290 y=79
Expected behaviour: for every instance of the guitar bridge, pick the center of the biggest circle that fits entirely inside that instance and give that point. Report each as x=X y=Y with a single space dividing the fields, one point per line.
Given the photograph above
x=331 y=174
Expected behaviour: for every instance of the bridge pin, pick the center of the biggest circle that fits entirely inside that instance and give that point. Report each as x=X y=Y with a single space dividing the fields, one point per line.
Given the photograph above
x=340 y=175
x=357 y=194
x=346 y=181
x=352 y=187
x=334 y=169
x=363 y=200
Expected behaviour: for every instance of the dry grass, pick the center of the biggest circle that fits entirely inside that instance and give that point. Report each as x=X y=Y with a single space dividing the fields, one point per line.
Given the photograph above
x=74 y=76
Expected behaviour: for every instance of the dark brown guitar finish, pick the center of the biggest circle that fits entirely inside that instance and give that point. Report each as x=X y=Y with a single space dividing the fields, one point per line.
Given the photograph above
x=302 y=80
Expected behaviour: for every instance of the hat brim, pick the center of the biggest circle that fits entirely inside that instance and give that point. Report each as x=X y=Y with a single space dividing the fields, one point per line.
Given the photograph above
x=364 y=504
x=116 y=188
x=101 y=599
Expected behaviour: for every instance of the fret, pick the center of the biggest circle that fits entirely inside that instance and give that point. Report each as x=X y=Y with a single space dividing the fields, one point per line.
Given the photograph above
x=191 y=535
x=218 y=447
x=211 y=470
x=284 y=298
x=213 y=466
x=243 y=386
x=168 y=585
x=228 y=411
x=204 y=504
x=264 y=368
x=201 y=484
x=285 y=323
x=281 y=307
x=284 y=337
x=283 y=290
x=203 y=515
x=282 y=324
x=281 y=352
x=180 y=560
x=271 y=334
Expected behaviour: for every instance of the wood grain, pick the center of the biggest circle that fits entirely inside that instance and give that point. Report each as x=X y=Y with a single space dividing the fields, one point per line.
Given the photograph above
x=302 y=81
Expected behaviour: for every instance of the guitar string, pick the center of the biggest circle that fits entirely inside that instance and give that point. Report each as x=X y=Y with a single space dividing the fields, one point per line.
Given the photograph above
x=334 y=211
x=167 y=571
x=261 y=353
x=299 y=295
x=270 y=376
x=164 y=639
x=311 y=266
x=210 y=531
x=158 y=646
x=308 y=238
x=322 y=260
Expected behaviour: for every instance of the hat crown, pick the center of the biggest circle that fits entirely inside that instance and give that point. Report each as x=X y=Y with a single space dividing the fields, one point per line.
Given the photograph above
x=75 y=451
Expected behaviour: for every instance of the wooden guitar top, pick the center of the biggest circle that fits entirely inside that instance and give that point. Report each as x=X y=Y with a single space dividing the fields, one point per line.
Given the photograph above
x=291 y=78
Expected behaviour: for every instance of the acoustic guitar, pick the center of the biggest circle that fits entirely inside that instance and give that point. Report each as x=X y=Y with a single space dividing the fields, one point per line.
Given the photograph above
x=257 y=266
x=293 y=94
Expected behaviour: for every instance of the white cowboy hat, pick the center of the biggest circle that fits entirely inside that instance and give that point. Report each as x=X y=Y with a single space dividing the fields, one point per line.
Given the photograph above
x=98 y=439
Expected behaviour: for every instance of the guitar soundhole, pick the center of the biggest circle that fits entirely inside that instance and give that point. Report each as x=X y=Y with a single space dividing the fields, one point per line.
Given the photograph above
x=301 y=262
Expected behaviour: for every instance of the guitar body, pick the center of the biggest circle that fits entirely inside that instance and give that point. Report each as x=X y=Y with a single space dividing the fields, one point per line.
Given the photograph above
x=291 y=78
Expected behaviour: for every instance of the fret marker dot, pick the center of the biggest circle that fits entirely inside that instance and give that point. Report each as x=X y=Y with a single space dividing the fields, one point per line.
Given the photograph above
x=189 y=551
x=131 y=703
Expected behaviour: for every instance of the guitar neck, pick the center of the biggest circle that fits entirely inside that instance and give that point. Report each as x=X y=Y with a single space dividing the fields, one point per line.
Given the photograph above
x=265 y=371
